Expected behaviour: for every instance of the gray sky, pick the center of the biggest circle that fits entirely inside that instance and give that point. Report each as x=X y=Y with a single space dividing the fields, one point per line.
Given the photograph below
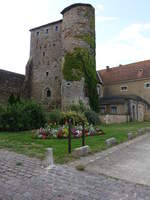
x=122 y=29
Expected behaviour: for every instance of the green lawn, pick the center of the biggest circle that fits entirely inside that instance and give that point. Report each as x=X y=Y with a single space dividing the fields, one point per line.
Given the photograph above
x=22 y=142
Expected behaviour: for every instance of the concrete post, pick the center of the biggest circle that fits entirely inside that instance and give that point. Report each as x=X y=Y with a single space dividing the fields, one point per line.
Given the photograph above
x=49 y=161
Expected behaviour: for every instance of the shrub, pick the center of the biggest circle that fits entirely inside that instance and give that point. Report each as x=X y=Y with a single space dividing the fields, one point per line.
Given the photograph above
x=55 y=116
x=23 y=115
x=92 y=117
x=76 y=117
x=13 y=99
x=78 y=107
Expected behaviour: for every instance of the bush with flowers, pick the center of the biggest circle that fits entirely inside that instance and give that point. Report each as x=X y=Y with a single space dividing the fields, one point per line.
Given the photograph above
x=51 y=131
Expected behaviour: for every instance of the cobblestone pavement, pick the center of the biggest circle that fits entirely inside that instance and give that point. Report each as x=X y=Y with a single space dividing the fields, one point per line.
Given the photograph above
x=23 y=178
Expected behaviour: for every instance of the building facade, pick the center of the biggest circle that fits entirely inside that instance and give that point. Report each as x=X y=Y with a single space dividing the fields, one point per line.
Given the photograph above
x=126 y=91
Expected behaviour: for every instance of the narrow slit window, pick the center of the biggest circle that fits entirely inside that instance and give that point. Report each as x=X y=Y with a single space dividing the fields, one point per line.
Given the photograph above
x=47 y=31
x=56 y=28
x=48 y=93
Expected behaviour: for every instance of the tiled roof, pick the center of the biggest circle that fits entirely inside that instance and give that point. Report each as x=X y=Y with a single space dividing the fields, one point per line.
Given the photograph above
x=121 y=99
x=123 y=73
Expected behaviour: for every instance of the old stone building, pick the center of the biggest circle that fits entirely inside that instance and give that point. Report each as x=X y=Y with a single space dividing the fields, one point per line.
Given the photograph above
x=47 y=79
x=61 y=70
x=126 y=92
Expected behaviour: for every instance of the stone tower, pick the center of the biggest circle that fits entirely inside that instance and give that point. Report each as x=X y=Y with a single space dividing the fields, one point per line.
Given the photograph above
x=78 y=34
x=55 y=73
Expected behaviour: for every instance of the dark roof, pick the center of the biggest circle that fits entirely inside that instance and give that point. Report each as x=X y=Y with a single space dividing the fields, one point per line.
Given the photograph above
x=123 y=73
x=121 y=99
x=46 y=25
x=75 y=5
x=10 y=73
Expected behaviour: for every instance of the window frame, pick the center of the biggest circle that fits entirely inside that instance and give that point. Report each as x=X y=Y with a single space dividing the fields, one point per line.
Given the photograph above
x=103 y=107
x=111 y=107
x=123 y=86
x=146 y=86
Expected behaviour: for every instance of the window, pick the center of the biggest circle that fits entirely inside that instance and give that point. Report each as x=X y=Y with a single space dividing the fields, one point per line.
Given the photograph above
x=99 y=89
x=141 y=70
x=54 y=45
x=37 y=33
x=43 y=53
x=102 y=109
x=56 y=28
x=46 y=73
x=48 y=93
x=47 y=31
x=114 y=109
x=147 y=85
x=124 y=88
x=68 y=84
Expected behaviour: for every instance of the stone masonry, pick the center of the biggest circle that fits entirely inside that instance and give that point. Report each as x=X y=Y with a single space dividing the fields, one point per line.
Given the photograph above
x=23 y=178
x=10 y=83
x=44 y=81
x=49 y=44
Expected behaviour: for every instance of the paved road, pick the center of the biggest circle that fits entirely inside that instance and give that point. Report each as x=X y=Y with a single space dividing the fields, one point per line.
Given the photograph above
x=129 y=162
x=23 y=178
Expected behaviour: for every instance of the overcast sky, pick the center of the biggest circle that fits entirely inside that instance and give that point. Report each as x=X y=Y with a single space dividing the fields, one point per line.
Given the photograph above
x=122 y=29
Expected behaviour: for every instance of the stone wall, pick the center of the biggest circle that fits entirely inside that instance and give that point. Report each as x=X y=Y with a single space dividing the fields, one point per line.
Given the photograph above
x=147 y=116
x=73 y=91
x=10 y=83
x=111 y=119
x=133 y=88
x=46 y=64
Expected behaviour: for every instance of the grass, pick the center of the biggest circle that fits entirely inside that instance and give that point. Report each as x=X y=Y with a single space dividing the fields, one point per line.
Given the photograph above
x=22 y=142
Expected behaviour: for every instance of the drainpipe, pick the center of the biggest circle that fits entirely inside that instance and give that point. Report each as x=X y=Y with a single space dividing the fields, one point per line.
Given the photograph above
x=137 y=110
x=129 y=110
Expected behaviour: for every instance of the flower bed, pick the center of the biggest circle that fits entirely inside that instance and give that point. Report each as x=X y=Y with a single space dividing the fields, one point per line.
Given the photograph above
x=51 y=131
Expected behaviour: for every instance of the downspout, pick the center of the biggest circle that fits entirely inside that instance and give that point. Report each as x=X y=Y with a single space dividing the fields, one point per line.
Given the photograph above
x=137 y=110
x=129 y=110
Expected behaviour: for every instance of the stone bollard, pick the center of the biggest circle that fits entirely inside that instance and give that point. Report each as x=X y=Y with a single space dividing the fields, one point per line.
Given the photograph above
x=141 y=131
x=111 y=142
x=147 y=130
x=130 y=136
x=49 y=161
x=81 y=151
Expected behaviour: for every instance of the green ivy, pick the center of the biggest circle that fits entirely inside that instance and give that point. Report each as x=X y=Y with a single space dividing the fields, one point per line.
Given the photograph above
x=88 y=38
x=80 y=63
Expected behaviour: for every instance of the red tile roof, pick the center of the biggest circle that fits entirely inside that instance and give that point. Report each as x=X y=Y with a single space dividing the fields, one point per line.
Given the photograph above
x=123 y=73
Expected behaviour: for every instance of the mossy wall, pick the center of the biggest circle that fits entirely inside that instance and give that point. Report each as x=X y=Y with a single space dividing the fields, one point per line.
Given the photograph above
x=80 y=63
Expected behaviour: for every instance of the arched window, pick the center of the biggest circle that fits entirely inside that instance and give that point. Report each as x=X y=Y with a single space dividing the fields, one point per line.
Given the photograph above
x=48 y=93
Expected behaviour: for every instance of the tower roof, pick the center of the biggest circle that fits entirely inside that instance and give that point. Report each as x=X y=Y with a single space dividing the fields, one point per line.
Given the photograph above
x=75 y=5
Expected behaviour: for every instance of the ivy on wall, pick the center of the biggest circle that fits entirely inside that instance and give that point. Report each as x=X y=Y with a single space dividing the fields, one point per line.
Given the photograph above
x=88 y=38
x=80 y=63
